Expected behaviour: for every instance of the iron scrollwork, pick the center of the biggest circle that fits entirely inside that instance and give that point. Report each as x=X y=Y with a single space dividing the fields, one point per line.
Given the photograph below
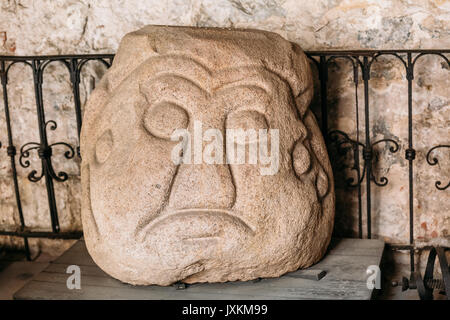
x=45 y=153
x=344 y=144
x=434 y=161
x=44 y=150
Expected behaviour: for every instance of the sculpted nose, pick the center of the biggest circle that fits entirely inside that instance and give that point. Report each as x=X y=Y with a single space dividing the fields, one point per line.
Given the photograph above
x=202 y=186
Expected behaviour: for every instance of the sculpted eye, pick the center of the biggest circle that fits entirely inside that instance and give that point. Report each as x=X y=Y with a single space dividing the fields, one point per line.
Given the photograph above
x=250 y=121
x=103 y=147
x=162 y=119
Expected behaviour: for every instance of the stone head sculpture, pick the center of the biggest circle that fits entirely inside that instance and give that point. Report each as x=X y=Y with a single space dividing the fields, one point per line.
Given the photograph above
x=149 y=219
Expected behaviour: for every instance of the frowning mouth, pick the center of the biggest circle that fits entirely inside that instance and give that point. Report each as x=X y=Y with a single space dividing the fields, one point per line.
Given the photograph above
x=194 y=224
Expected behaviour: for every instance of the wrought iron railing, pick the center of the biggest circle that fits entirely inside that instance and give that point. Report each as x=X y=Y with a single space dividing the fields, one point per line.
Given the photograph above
x=38 y=64
x=362 y=150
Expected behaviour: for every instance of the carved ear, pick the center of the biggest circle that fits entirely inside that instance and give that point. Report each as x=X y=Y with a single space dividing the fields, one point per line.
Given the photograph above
x=324 y=179
x=301 y=158
x=90 y=226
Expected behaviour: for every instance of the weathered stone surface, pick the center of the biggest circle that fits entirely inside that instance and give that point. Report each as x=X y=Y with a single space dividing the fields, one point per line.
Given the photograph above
x=148 y=220
x=87 y=26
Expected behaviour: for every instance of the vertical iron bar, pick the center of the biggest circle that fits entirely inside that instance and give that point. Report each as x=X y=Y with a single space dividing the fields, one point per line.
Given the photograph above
x=11 y=150
x=323 y=78
x=410 y=155
x=356 y=154
x=367 y=150
x=75 y=79
x=45 y=159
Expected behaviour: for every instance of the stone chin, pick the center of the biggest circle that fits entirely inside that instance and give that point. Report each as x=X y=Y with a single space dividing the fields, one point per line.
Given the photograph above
x=147 y=220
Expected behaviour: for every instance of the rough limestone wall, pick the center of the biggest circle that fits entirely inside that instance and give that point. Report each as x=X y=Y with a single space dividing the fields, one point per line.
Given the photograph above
x=63 y=27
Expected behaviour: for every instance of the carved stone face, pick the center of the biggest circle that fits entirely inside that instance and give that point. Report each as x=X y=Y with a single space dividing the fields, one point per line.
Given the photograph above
x=148 y=220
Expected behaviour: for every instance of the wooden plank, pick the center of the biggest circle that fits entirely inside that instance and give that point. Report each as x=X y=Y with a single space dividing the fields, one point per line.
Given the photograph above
x=90 y=289
x=344 y=267
x=312 y=274
x=355 y=243
x=85 y=270
x=341 y=267
x=77 y=254
x=361 y=247
x=334 y=266
x=16 y=275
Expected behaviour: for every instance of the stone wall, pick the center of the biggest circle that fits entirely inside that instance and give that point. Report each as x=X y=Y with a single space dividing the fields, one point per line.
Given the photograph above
x=63 y=27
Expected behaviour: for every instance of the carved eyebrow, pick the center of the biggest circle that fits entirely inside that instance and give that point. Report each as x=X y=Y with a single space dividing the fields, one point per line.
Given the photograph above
x=158 y=65
x=258 y=94
x=180 y=81
x=177 y=76
x=175 y=92
x=244 y=83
